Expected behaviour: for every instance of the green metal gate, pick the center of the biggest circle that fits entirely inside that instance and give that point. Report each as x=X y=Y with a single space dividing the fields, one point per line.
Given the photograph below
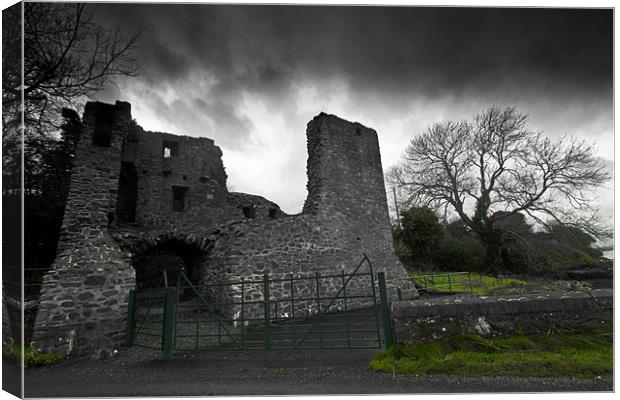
x=313 y=311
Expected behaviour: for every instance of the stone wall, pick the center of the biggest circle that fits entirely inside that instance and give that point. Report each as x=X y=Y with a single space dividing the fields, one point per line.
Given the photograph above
x=83 y=299
x=135 y=193
x=430 y=319
x=300 y=296
x=254 y=207
x=344 y=216
x=193 y=167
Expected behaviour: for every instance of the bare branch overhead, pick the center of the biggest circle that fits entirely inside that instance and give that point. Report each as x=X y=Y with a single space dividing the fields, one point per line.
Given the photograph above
x=495 y=163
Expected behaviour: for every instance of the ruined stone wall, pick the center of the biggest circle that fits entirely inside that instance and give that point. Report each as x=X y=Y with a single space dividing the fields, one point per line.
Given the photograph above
x=194 y=167
x=132 y=191
x=83 y=300
x=254 y=207
x=120 y=206
x=346 y=190
x=300 y=295
x=344 y=216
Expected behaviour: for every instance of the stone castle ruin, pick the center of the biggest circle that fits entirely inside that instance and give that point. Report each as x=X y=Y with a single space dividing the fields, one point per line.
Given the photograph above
x=142 y=202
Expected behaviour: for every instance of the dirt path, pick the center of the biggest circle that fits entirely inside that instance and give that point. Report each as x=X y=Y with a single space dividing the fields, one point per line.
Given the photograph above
x=141 y=372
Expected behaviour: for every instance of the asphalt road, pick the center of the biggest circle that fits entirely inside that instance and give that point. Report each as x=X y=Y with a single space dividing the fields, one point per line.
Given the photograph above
x=140 y=372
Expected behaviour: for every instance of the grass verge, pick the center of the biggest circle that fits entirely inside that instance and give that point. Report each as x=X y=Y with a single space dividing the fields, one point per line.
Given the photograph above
x=32 y=357
x=457 y=283
x=585 y=355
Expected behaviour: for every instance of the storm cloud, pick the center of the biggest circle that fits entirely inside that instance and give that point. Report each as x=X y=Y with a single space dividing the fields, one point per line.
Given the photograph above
x=251 y=77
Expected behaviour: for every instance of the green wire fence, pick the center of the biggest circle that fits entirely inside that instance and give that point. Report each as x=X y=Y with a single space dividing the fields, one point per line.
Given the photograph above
x=442 y=283
x=264 y=312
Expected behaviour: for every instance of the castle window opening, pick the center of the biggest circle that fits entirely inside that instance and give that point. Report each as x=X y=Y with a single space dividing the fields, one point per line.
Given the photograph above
x=272 y=213
x=249 y=211
x=171 y=149
x=127 y=193
x=179 y=193
x=104 y=121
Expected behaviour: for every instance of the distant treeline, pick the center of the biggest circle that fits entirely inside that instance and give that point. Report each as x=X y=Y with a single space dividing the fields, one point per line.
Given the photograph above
x=424 y=243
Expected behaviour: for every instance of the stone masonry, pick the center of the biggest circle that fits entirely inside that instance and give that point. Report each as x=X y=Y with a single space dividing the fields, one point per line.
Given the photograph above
x=425 y=320
x=84 y=296
x=344 y=216
x=139 y=200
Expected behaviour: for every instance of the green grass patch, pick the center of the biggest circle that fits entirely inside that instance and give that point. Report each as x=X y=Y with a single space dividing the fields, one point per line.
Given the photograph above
x=485 y=284
x=576 y=355
x=462 y=282
x=32 y=357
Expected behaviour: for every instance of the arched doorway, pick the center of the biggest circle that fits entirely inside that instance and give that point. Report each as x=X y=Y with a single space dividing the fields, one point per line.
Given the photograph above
x=167 y=260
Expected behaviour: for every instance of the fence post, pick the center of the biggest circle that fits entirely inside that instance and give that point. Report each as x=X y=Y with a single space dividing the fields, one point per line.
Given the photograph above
x=131 y=318
x=385 y=311
x=318 y=307
x=242 y=312
x=170 y=308
x=267 y=312
x=293 y=310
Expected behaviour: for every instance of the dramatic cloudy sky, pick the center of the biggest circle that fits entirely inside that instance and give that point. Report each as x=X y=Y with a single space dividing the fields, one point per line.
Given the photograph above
x=251 y=77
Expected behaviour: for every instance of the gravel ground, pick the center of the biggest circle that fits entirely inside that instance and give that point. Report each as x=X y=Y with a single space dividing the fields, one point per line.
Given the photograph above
x=141 y=372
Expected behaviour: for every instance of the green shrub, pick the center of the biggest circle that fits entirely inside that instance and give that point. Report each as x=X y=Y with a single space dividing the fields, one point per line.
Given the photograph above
x=584 y=258
x=422 y=244
x=402 y=252
x=32 y=357
x=458 y=254
x=421 y=231
x=419 y=235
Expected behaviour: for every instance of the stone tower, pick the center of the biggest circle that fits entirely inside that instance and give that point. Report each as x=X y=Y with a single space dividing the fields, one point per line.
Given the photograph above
x=346 y=188
x=345 y=214
x=83 y=300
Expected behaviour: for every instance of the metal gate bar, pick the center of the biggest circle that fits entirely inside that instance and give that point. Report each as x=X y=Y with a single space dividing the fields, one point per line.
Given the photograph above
x=145 y=318
x=331 y=311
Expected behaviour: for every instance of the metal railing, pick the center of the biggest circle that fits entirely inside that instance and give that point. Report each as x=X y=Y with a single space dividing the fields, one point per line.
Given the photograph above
x=32 y=277
x=265 y=312
x=442 y=283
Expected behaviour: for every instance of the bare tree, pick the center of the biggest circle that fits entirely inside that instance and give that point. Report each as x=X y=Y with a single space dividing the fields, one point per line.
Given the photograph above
x=495 y=163
x=67 y=57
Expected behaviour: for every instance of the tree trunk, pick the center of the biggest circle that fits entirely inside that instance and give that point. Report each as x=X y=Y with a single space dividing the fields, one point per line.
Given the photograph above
x=493 y=241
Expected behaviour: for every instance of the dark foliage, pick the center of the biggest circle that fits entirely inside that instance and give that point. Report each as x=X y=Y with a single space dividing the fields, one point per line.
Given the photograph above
x=504 y=169
x=418 y=236
x=456 y=247
x=67 y=57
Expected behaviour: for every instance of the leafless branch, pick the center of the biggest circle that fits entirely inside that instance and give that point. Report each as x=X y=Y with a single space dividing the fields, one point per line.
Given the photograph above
x=495 y=163
x=67 y=58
